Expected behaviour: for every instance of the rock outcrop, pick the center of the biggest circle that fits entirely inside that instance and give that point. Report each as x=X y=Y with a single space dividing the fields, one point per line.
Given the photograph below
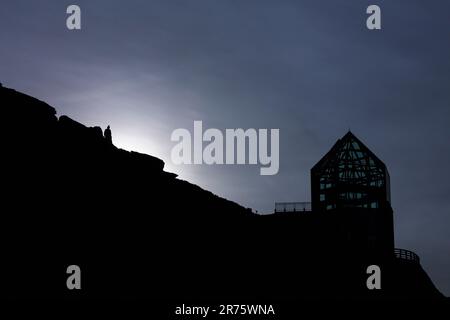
x=72 y=197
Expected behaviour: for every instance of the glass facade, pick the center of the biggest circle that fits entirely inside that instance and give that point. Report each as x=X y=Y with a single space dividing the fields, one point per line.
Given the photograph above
x=350 y=175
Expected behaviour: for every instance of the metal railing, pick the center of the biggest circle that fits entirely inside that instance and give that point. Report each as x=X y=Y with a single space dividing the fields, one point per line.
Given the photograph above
x=292 y=207
x=406 y=255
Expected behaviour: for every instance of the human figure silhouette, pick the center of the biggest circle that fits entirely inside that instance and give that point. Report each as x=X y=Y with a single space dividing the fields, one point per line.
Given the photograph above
x=108 y=135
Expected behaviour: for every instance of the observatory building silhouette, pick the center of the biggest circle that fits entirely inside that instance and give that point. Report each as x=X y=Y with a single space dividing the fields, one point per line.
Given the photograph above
x=350 y=196
x=351 y=179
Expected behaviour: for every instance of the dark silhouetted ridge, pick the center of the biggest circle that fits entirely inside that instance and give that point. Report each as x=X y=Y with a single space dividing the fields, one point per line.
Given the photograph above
x=72 y=197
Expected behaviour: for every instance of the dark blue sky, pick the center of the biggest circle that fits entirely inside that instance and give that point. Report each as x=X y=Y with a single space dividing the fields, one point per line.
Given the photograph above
x=310 y=68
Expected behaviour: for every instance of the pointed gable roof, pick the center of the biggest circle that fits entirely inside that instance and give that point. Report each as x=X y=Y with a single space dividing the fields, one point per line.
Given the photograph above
x=349 y=149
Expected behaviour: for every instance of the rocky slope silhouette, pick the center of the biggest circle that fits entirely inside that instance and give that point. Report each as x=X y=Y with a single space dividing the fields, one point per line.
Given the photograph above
x=71 y=197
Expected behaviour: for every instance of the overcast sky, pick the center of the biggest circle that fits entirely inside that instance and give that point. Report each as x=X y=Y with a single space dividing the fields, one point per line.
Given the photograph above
x=310 y=68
